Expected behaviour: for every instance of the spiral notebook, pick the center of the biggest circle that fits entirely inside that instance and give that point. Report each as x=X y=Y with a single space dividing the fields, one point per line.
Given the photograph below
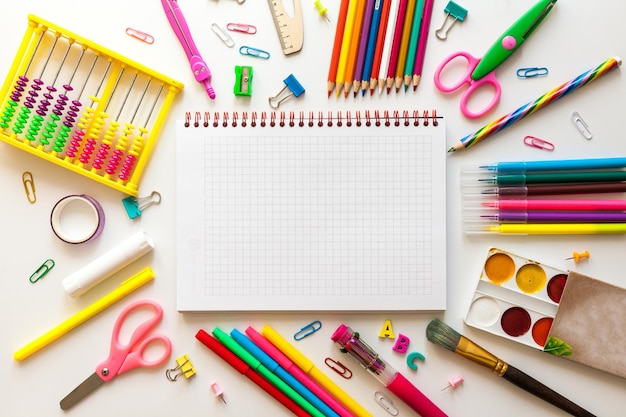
x=311 y=211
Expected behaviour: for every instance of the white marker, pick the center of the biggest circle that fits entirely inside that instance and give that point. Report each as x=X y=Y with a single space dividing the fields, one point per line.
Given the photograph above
x=107 y=264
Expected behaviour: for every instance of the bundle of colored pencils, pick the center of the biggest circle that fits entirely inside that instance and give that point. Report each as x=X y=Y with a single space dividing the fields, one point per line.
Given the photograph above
x=379 y=44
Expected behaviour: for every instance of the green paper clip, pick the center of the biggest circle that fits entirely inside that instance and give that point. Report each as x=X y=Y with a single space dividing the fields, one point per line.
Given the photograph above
x=243 y=81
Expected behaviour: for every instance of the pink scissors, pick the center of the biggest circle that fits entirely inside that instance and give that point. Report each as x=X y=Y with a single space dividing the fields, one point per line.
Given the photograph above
x=123 y=358
x=482 y=71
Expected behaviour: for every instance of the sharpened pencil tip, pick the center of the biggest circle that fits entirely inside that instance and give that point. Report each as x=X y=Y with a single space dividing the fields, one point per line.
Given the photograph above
x=452 y=149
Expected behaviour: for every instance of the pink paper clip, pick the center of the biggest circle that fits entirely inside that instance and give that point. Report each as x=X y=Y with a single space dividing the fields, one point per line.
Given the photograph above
x=241 y=27
x=538 y=143
x=142 y=36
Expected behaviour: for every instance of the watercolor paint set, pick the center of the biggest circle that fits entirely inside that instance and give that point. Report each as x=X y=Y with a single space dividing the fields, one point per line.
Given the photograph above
x=564 y=313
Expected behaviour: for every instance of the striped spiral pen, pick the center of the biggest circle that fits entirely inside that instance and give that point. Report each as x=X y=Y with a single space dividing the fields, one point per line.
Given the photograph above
x=533 y=106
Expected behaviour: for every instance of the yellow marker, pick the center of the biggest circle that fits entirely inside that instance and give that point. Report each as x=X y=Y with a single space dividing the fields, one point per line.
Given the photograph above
x=88 y=312
x=307 y=366
x=387 y=330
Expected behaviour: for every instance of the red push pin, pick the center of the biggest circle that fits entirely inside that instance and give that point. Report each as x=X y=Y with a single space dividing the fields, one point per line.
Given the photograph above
x=454 y=382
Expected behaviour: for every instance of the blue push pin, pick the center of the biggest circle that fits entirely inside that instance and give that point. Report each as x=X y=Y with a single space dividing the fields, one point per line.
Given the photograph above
x=295 y=90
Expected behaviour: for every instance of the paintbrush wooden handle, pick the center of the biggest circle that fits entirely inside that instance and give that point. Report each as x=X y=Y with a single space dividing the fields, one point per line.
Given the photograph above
x=535 y=387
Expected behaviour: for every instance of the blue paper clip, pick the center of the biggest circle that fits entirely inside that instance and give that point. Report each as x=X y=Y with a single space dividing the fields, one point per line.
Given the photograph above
x=294 y=87
x=307 y=330
x=254 y=52
x=134 y=206
x=41 y=271
x=532 y=72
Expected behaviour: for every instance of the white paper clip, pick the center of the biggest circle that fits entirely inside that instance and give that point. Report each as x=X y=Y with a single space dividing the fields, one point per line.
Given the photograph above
x=455 y=12
x=254 y=52
x=224 y=37
x=386 y=403
x=580 y=124
x=295 y=90
x=241 y=28
x=538 y=143
x=134 y=206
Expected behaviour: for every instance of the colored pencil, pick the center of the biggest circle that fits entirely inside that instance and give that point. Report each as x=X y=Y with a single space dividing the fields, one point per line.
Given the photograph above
x=529 y=108
x=334 y=59
x=386 y=55
x=413 y=42
x=354 y=46
x=395 y=47
x=346 y=40
x=371 y=45
x=363 y=45
x=380 y=43
x=423 y=40
x=404 y=42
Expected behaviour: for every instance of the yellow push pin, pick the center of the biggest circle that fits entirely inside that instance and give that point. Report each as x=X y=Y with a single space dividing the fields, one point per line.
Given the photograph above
x=321 y=9
x=578 y=256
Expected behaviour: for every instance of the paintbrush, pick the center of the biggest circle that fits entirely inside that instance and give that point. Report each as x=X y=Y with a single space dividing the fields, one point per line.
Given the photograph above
x=443 y=335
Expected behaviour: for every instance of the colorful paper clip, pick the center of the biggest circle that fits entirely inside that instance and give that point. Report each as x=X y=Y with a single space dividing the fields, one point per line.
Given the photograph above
x=134 y=206
x=295 y=90
x=532 y=72
x=142 y=36
x=538 y=143
x=254 y=52
x=243 y=81
x=580 y=124
x=338 y=367
x=454 y=11
x=241 y=28
x=308 y=330
x=386 y=403
x=42 y=271
x=183 y=367
x=29 y=186
x=224 y=37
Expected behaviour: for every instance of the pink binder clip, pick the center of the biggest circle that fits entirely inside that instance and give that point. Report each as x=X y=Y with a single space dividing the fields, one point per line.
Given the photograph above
x=538 y=143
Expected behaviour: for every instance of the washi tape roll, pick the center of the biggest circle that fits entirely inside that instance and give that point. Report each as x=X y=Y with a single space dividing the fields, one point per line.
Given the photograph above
x=77 y=219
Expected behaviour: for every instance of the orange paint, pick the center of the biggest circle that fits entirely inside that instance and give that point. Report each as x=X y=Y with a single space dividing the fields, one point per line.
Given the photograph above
x=499 y=268
x=541 y=329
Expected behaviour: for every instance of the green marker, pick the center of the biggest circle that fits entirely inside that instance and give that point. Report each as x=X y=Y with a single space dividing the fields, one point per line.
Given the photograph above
x=255 y=364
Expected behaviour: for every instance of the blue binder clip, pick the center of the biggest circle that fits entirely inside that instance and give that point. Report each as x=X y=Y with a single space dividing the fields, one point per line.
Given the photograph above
x=134 y=206
x=295 y=90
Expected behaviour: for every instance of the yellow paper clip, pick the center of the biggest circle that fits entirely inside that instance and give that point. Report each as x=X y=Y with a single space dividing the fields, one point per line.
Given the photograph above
x=42 y=270
x=578 y=256
x=307 y=330
x=29 y=186
x=184 y=367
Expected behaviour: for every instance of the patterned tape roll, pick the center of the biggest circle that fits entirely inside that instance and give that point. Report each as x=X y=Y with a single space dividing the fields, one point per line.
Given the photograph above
x=77 y=219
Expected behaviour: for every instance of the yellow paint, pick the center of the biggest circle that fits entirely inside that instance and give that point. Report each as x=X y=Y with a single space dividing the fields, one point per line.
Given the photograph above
x=387 y=330
x=499 y=268
x=531 y=278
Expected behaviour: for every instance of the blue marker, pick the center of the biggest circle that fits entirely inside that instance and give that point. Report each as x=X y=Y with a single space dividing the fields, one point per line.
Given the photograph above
x=273 y=366
x=554 y=165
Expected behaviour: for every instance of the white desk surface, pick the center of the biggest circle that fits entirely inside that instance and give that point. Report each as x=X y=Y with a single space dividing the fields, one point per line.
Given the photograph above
x=575 y=37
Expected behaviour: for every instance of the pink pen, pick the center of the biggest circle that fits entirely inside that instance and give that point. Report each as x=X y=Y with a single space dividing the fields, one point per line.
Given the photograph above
x=610 y=205
x=296 y=372
x=351 y=343
x=199 y=68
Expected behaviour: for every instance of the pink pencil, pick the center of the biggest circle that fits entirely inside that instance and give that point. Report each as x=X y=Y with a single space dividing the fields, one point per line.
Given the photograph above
x=395 y=48
x=556 y=204
x=421 y=45
x=297 y=373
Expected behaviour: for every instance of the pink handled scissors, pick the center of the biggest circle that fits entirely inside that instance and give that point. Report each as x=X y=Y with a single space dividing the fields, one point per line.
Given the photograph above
x=482 y=71
x=122 y=357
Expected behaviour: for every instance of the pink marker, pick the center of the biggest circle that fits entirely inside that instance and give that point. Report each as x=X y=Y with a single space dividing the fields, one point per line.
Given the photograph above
x=556 y=204
x=297 y=373
x=395 y=382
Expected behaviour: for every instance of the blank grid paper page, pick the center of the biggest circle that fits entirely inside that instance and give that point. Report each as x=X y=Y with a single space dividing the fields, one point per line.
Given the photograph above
x=296 y=218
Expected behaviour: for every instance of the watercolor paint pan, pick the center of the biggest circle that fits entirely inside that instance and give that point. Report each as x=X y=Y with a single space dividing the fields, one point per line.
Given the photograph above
x=516 y=298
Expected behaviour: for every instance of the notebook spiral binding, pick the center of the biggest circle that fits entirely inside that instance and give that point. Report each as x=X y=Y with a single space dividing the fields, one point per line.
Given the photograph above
x=311 y=118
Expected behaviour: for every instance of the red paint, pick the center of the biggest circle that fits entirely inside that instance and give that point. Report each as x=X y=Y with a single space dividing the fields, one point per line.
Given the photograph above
x=515 y=321
x=541 y=329
x=556 y=286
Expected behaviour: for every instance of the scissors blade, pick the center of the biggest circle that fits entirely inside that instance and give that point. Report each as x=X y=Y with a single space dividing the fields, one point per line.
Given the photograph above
x=85 y=388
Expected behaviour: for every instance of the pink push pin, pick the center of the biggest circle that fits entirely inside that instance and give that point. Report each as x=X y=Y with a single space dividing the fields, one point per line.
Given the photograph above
x=454 y=382
x=218 y=391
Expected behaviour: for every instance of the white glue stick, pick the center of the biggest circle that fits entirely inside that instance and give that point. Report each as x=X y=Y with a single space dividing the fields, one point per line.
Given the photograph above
x=107 y=264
